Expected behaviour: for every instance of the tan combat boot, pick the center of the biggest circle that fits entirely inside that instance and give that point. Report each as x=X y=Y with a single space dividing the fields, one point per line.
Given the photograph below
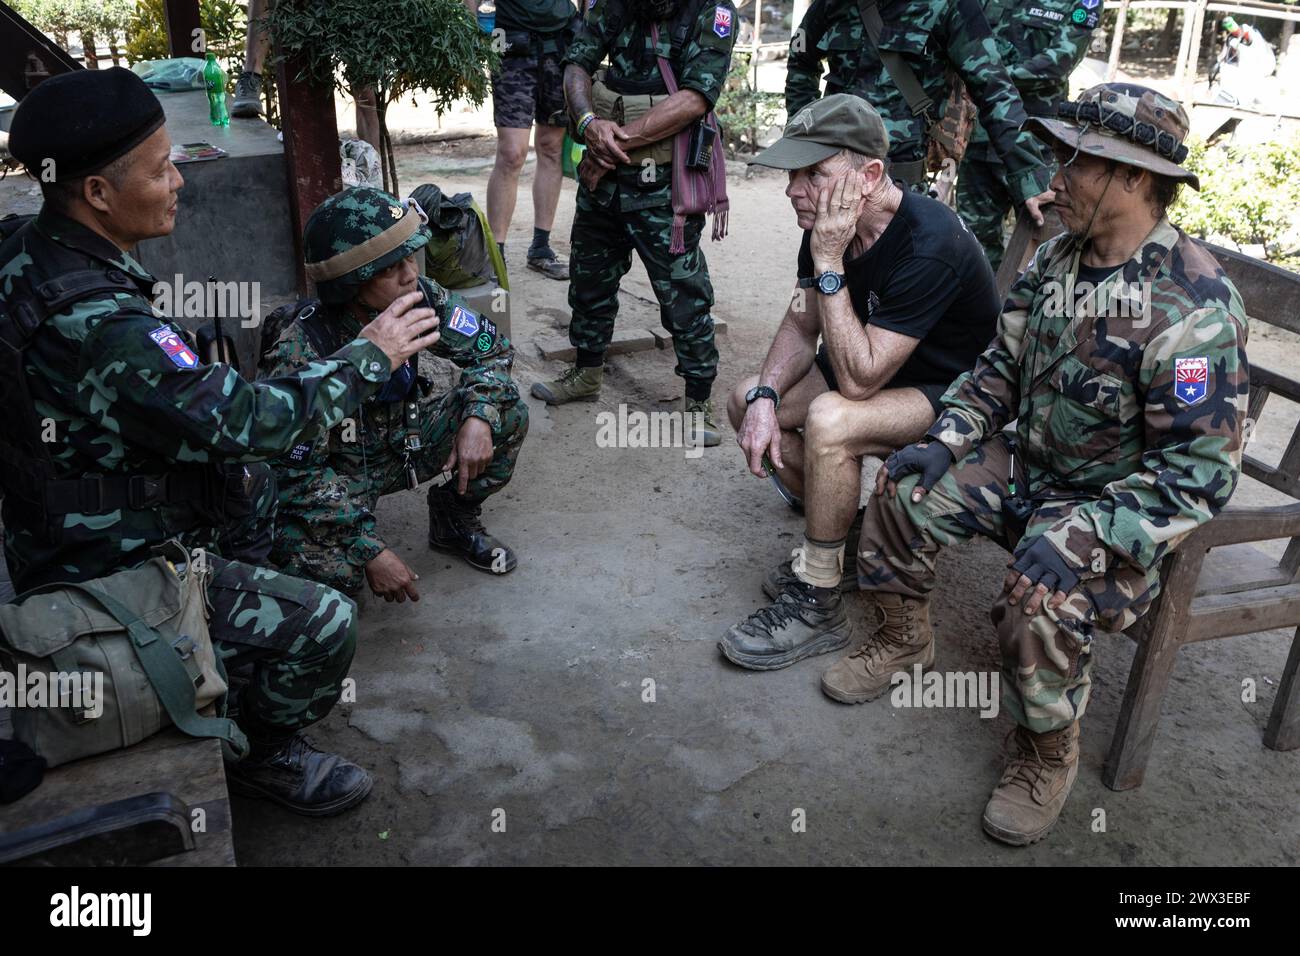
x=1034 y=785
x=903 y=639
x=574 y=385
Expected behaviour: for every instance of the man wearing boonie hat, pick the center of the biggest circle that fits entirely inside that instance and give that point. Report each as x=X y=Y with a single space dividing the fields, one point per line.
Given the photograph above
x=360 y=247
x=151 y=440
x=902 y=299
x=1115 y=393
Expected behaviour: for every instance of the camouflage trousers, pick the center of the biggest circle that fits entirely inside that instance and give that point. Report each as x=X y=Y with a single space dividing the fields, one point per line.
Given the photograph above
x=607 y=227
x=983 y=202
x=364 y=479
x=1047 y=656
x=297 y=638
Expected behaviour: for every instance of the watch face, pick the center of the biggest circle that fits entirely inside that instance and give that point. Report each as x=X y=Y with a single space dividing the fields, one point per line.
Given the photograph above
x=829 y=282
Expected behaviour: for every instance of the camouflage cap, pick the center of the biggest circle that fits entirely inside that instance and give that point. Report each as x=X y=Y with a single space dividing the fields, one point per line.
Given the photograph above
x=822 y=129
x=355 y=234
x=1125 y=122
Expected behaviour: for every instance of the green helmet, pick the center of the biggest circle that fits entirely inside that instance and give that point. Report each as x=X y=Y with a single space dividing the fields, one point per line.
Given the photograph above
x=357 y=233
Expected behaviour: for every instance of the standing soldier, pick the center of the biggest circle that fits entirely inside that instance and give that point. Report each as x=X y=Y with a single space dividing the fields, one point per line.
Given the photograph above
x=114 y=428
x=360 y=246
x=627 y=118
x=1040 y=43
x=1120 y=365
x=907 y=72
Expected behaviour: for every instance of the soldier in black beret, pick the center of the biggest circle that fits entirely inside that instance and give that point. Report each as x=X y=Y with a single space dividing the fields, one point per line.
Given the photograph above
x=117 y=436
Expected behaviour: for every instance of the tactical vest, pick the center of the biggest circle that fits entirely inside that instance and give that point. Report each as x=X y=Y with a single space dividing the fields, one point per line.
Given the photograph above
x=55 y=281
x=624 y=100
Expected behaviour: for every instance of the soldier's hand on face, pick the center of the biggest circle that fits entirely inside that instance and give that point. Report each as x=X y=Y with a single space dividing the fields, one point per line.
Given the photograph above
x=930 y=459
x=759 y=435
x=1039 y=570
x=1034 y=205
x=390 y=578
x=401 y=330
x=470 y=453
x=603 y=139
x=839 y=204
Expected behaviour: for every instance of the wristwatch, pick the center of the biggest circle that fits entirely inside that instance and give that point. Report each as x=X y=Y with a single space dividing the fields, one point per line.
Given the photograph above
x=828 y=283
x=763 y=391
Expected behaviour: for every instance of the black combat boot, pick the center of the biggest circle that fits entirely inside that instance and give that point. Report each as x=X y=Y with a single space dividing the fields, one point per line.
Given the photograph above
x=296 y=775
x=457 y=528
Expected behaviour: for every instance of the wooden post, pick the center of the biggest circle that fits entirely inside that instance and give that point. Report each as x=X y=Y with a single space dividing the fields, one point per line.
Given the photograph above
x=27 y=56
x=311 y=150
x=182 y=18
x=1180 y=68
x=1121 y=18
x=1194 y=55
x=758 y=29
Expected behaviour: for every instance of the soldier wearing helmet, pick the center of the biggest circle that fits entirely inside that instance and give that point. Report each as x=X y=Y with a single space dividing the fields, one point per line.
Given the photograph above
x=361 y=247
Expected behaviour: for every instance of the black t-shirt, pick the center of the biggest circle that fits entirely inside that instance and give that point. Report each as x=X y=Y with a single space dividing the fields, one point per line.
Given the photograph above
x=925 y=277
x=536 y=16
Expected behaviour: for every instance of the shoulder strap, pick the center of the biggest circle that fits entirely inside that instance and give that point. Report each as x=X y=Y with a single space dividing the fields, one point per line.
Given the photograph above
x=323 y=339
x=900 y=71
x=168 y=675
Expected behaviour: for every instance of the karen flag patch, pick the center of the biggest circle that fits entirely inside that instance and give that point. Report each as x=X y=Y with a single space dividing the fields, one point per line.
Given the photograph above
x=722 y=22
x=463 y=321
x=174 y=348
x=1190 y=378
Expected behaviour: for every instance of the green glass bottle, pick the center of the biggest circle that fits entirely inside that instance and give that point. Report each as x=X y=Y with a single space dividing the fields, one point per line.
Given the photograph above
x=214 y=78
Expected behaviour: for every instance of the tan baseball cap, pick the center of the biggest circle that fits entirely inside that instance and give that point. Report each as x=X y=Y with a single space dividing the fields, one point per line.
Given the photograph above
x=822 y=129
x=1125 y=122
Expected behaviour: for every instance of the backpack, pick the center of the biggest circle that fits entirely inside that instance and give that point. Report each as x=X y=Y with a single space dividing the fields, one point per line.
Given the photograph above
x=139 y=638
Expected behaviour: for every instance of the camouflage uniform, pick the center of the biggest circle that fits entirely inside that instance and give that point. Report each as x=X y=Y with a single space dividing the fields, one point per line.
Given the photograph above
x=631 y=207
x=328 y=488
x=1040 y=43
x=937 y=37
x=1120 y=458
x=127 y=395
x=529 y=87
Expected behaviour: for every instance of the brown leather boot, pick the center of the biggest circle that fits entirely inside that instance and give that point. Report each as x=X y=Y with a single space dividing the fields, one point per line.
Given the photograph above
x=1034 y=785
x=903 y=639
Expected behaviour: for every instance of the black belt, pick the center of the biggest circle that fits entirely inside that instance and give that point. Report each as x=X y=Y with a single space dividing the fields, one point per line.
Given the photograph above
x=913 y=173
x=101 y=494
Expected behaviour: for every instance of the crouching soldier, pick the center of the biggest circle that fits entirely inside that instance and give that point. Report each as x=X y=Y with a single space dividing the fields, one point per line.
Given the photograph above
x=1100 y=427
x=360 y=248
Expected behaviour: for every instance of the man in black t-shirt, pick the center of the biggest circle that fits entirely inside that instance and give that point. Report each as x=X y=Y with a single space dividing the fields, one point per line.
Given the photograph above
x=902 y=299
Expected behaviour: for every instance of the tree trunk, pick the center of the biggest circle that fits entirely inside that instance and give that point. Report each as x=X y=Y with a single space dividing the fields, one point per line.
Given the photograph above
x=117 y=54
x=1167 y=34
x=88 y=50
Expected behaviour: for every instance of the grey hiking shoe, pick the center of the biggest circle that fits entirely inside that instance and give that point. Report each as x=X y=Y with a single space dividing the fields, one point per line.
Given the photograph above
x=704 y=429
x=248 y=96
x=550 y=265
x=574 y=385
x=796 y=625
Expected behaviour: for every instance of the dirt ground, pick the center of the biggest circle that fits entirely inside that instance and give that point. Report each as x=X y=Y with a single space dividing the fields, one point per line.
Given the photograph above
x=520 y=701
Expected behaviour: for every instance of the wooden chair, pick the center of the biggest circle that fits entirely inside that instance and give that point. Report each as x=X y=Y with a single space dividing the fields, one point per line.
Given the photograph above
x=1217 y=583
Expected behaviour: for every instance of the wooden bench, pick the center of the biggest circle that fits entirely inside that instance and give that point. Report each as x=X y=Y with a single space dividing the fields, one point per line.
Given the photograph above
x=1217 y=583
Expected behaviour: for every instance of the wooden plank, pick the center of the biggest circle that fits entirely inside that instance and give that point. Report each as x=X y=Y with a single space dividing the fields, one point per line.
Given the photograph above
x=1271 y=293
x=27 y=55
x=1212 y=616
x=1194 y=51
x=188 y=768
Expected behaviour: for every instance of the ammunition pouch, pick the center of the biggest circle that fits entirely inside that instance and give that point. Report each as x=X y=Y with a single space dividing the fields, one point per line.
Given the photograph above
x=624 y=108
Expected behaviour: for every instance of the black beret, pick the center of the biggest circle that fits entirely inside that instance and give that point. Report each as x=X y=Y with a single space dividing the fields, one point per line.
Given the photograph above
x=83 y=120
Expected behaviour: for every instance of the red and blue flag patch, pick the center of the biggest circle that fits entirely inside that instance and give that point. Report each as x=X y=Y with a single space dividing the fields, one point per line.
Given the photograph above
x=1191 y=377
x=722 y=22
x=174 y=348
